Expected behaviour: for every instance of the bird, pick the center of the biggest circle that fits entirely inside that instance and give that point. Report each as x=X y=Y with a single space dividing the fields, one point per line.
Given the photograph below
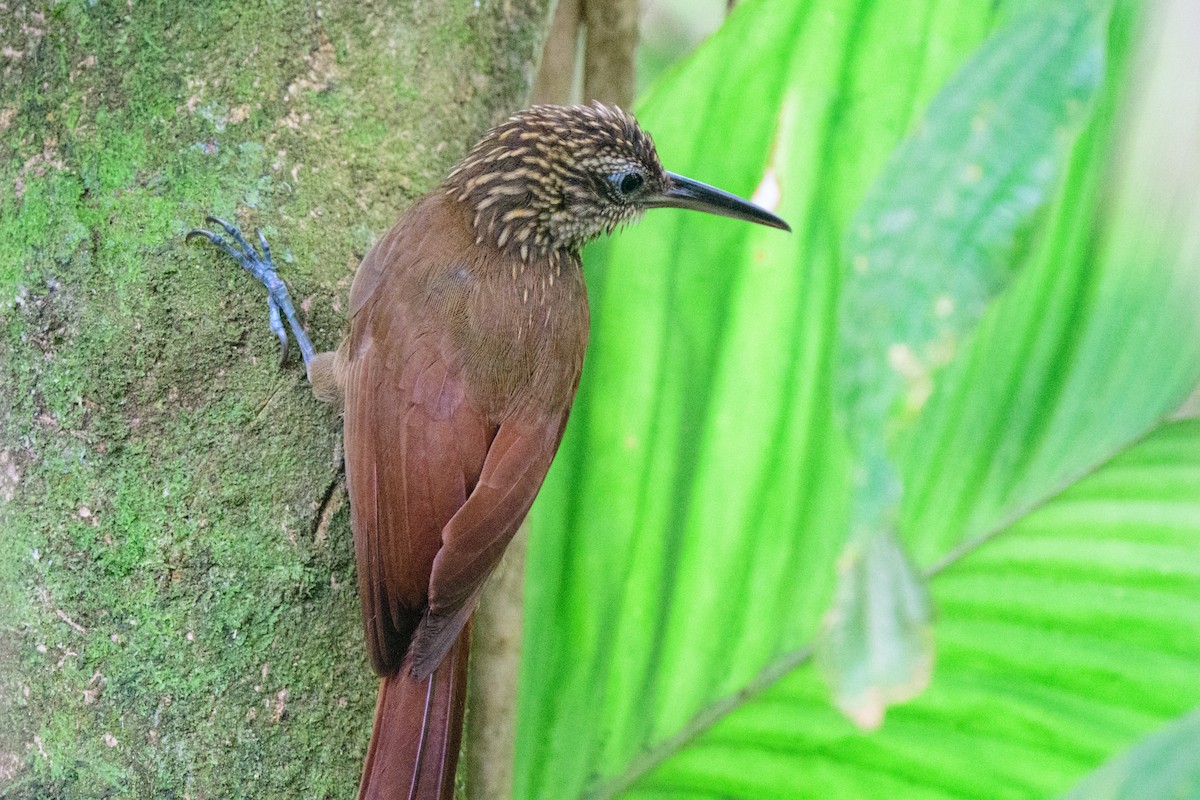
x=468 y=323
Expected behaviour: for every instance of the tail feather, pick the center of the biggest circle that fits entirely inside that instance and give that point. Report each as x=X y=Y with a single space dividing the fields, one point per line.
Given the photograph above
x=414 y=746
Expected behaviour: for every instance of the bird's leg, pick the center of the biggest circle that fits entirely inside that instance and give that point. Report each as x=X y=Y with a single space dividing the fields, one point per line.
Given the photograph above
x=279 y=302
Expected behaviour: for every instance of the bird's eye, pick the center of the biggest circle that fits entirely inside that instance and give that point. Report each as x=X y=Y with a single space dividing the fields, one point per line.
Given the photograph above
x=627 y=183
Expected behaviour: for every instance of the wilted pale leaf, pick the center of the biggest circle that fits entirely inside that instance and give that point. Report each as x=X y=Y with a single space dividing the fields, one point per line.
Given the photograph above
x=935 y=239
x=876 y=648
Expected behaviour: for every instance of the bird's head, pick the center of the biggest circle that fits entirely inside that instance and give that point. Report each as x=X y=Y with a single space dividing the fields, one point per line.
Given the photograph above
x=556 y=177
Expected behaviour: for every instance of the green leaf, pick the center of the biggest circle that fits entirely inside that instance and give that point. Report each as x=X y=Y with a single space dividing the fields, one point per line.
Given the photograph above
x=1067 y=637
x=705 y=400
x=934 y=241
x=685 y=545
x=1161 y=765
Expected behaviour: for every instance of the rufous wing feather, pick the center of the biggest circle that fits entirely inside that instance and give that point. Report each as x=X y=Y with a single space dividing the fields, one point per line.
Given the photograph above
x=475 y=539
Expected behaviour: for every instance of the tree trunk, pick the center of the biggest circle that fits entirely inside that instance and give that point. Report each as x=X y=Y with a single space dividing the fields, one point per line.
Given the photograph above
x=608 y=33
x=610 y=56
x=178 y=602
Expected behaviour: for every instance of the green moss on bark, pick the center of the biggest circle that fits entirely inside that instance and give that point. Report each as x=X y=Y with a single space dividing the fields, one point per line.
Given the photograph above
x=178 y=615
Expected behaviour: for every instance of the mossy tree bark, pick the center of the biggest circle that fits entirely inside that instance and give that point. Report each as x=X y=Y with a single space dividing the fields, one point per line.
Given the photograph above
x=178 y=606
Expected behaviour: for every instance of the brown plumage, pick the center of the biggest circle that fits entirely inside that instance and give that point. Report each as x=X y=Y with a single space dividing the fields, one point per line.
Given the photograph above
x=468 y=325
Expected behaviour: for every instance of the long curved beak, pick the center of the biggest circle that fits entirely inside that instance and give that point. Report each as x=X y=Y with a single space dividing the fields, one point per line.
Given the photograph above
x=687 y=193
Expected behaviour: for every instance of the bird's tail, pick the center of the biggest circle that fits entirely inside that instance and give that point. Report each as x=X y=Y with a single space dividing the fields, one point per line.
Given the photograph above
x=418 y=729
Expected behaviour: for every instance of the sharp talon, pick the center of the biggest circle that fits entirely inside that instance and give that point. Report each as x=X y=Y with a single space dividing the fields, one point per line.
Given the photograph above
x=237 y=237
x=276 y=321
x=199 y=232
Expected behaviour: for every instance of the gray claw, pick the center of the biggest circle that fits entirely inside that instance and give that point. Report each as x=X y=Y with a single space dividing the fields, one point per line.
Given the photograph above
x=279 y=302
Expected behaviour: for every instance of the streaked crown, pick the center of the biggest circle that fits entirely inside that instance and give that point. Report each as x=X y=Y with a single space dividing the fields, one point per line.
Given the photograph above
x=554 y=177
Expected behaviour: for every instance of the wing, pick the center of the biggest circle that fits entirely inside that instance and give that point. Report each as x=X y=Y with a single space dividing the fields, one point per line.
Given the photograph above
x=415 y=444
x=441 y=466
x=475 y=538
x=414 y=450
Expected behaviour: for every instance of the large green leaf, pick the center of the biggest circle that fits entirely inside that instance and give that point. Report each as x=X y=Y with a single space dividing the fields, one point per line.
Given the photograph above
x=684 y=546
x=1063 y=640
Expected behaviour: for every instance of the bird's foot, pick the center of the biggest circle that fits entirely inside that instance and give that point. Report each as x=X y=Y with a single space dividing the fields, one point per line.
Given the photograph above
x=279 y=302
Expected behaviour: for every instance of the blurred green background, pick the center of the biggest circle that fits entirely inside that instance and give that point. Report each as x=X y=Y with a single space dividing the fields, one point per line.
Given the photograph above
x=902 y=504
x=670 y=29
